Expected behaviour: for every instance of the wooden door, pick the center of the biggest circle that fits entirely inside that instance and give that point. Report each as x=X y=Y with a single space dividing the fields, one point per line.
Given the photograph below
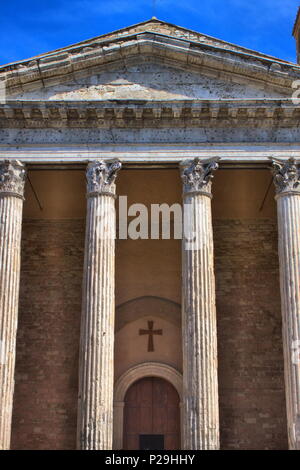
x=151 y=408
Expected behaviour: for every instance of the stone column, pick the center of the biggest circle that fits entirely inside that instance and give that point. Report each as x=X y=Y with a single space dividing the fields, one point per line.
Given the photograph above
x=200 y=413
x=287 y=184
x=12 y=181
x=96 y=369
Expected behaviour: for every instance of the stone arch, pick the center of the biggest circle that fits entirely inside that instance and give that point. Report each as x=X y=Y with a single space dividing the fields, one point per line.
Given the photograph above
x=146 y=369
x=148 y=305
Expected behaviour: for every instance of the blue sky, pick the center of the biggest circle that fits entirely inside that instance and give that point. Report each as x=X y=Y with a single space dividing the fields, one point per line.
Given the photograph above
x=32 y=27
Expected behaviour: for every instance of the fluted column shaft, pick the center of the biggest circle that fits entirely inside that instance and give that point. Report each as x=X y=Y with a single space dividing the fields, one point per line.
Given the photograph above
x=96 y=373
x=12 y=180
x=200 y=381
x=287 y=183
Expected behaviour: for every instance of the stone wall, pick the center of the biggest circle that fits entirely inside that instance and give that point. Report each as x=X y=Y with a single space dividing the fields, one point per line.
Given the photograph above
x=252 y=405
x=45 y=403
x=251 y=381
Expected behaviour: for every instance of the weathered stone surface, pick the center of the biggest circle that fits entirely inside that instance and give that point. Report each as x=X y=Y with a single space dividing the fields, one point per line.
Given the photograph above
x=251 y=383
x=136 y=114
x=70 y=138
x=209 y=53
x=287 y=183
x=250 y=358
x=175 y=80
x=199 y=328
x=286 y=177
x=96 y=368
x=250 y=354
x=151 y=81
x=101 y=178
x=197 y=177
x=12 y=179
x=46 y=388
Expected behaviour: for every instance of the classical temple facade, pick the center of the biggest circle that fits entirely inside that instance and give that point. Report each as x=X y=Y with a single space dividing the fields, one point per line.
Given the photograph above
x=112 y=334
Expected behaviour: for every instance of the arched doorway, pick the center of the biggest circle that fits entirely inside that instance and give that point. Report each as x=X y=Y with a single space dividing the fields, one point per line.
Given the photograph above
x=151 y=415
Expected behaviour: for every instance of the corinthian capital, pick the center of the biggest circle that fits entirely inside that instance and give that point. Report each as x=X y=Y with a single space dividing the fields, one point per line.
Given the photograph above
x=12 y=178
x=197 y=175
x=101 y=177
x=286 y=176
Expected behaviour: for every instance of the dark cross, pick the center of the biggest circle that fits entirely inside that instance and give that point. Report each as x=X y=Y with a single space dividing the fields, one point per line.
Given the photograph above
x=150 y=332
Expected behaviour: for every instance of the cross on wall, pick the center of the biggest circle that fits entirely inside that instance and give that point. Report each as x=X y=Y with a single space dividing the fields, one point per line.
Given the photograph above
x=151 y=332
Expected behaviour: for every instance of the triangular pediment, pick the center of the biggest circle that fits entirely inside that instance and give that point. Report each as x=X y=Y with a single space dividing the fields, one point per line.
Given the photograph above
x=152 y=81
x=152 y=60
x=164 y=28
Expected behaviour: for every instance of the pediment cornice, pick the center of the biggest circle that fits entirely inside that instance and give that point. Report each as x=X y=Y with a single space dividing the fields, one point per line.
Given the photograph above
x=66 y=65
x=142 y=113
